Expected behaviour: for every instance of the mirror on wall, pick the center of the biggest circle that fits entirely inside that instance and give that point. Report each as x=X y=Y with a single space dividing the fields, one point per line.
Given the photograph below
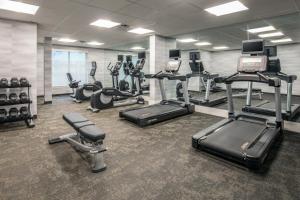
x=220 y=49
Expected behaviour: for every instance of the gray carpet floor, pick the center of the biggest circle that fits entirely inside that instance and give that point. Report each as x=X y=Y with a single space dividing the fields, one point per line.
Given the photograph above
x=156 y=162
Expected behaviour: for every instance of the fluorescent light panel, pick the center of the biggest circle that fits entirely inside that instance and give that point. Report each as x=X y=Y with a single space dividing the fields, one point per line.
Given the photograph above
x=282 y=40
x=274 y=34
x=137 y=48
x=67 y=40
x=227 y=8
x=105 y=23
x=220 y=47
x=203 y=43
x=18 y=7
x=140 y=31
x=187 y=40
x=261 y=29
x=94 y=43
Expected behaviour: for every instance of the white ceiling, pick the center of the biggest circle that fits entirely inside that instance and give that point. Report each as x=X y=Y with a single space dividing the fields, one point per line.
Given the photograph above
x=71 y=18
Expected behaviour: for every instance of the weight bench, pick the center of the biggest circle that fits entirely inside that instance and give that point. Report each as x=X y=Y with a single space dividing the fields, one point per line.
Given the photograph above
x=88 y=138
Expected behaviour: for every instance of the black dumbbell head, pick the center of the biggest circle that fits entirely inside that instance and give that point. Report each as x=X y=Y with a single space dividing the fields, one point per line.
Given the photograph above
x=13 y=97
x=24 y=81
x=23 y=96
x=14 y=81
x=3 y=82
x=3 y=115
x=3 y=98
x=24 y=111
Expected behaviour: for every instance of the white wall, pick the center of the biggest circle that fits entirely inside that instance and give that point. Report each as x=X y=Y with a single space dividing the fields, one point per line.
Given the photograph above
x=18 y=53
x=102 y=57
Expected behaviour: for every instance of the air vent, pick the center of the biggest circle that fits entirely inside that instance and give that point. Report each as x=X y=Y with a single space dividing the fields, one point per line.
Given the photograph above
x=123 y=27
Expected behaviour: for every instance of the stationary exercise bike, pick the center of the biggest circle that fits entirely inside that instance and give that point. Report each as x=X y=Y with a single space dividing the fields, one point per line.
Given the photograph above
x=73 y=84
x=112 y=97
x=84 y=92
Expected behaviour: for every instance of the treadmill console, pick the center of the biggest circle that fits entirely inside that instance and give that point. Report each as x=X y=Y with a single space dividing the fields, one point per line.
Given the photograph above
x=252 y=64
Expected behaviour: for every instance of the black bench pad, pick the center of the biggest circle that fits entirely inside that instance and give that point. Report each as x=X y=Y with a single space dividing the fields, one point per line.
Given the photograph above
x=92 y=133
x=84 y=127
x=74 y=118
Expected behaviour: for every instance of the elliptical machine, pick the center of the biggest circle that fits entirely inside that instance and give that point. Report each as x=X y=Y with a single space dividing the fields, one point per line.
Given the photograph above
x=84 y=92
x=127 y=67
x=112 y=97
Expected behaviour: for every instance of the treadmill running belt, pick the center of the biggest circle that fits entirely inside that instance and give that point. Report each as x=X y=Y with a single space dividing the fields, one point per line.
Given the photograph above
x=154 y=110
x=234 y=137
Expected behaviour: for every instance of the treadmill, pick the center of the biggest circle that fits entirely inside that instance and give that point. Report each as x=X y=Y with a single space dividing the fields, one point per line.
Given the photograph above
x=244 y=138
x=166 y=109
x=198 y=71
x=267 y=107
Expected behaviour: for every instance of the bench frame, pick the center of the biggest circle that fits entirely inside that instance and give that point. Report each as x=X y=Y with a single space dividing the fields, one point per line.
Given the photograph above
x=94 y=149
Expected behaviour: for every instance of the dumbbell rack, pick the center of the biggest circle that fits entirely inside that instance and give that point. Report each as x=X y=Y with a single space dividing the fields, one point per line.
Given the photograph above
x=27 y=119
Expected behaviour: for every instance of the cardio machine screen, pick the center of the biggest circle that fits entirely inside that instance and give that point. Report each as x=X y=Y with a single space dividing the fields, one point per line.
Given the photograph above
x=174 y=53
x=270 y=51
x=194 y=55
x=128 y=58
x=120 y=58
x=142 y=55
x=94 y=68
x=253 y=47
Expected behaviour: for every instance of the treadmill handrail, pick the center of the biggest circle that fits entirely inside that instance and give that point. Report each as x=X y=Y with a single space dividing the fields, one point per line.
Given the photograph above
x=252 y=77
x=282 y=76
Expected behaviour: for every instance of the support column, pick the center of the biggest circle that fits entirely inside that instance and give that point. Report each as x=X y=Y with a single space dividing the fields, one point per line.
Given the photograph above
x=159 y=56
x=48 y=70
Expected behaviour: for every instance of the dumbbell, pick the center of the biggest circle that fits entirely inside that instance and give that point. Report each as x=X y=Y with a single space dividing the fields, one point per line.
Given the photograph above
x=23 y=97
x=24 y=112
x=3 y=115
x=14 y=82
x=3 y=98
x=24 y=82
x=13 y=98
x=3 y=82
x=13 y=113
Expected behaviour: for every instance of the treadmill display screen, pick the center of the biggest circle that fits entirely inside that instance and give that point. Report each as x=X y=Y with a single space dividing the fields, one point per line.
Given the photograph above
x=174 y=53
x=194 y=55
x=128 y=58
x=142 y=55
x=94 y=68
x=270 y=51
x=120 y=58
x=253 y=47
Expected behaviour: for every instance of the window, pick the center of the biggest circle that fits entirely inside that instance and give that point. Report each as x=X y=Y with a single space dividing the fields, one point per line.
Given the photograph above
x=63 y=62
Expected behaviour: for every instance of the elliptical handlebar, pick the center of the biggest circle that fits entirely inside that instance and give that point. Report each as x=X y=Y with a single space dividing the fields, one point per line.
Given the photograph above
x=109 y=68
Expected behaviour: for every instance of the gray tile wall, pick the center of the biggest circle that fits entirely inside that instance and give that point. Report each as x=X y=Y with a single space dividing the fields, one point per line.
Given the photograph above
x=18 y=53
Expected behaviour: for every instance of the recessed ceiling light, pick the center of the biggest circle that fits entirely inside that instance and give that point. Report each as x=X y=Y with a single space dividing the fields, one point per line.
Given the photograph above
x=261 y=29
x=187 y=40
x=137 y=48
x=203 y=43
x=105 y=23
x=227 y=8
x=140 y=31
x=18 y=7
x=220 y=47
x=67 y=40
x=94 y=43
x=282 y=40
x=270 y=34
